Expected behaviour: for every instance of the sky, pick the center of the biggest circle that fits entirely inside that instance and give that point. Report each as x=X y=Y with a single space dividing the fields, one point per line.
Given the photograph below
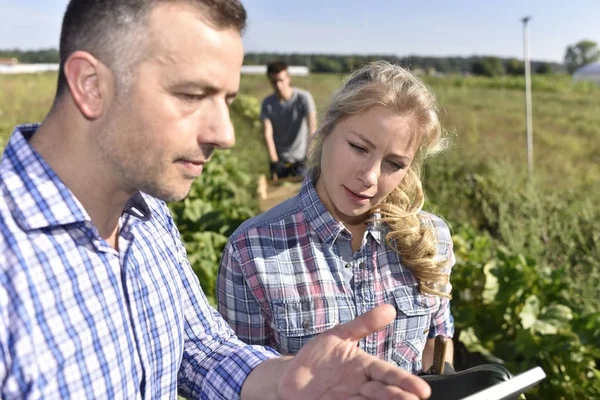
x=394 y=27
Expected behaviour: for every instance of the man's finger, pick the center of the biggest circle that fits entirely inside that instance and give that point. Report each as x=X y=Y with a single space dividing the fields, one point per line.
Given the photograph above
x=367 y=323
x=389 y=374
x=378 y=390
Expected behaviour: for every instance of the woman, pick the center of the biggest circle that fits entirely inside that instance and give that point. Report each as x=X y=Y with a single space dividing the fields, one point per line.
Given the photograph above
x=355 y=235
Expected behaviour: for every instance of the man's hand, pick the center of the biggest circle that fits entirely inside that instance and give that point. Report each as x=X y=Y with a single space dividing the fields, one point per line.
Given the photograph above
x=332 y=367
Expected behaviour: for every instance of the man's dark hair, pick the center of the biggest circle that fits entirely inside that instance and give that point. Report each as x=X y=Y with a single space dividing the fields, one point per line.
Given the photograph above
x=111 y=30
x=276 y=67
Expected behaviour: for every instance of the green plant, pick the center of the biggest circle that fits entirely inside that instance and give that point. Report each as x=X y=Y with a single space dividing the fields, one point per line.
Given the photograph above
x=515 y=311
x=218 y=202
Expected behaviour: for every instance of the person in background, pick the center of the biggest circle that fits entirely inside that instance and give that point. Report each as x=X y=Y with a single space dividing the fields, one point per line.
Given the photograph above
x=97 y=296
x=289 y=119
x=356 y=236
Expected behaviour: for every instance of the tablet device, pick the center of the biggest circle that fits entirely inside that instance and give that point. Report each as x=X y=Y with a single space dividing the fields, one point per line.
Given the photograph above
x=510 y=388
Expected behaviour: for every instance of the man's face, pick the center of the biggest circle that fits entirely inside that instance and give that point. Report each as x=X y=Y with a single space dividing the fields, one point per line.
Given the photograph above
x=157 y=134
x=281 y=83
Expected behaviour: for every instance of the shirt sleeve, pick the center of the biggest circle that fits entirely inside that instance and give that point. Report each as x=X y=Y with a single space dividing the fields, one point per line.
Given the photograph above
x=442 y=322
x=4 y=353
x=264 y=111
x=310 y=103
x=215 y=362
x=237 y=303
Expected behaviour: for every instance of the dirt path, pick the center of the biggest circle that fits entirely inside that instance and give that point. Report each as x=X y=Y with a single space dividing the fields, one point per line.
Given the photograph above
x=272 y=193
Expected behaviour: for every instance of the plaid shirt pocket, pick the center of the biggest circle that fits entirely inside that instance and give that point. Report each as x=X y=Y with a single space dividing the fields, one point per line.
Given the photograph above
x=295 y=322
x=413 y=320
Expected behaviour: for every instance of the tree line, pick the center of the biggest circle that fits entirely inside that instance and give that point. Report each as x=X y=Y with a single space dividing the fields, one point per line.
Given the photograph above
x=43 y=56
x=476 y=65
x=576 y=55
x=581 y=53
x=334 y=63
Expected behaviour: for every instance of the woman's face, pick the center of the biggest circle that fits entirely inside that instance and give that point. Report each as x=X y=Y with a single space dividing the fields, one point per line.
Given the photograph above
x=364 y=158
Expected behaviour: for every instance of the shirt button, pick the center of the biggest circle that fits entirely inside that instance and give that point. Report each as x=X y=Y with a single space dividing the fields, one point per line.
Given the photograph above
x=347 y=265
x=306 y=324
x=362 y=265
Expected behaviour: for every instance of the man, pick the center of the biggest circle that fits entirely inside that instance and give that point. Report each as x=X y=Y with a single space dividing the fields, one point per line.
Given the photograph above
x=289 y=119
x=97 y=298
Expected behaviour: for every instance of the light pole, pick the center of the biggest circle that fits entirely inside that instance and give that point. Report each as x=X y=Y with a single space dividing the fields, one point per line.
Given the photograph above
x=525 y=20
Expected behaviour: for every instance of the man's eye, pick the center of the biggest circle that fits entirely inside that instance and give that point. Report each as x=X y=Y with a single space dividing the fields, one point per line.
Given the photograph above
x=191 y=97
x=357 y=149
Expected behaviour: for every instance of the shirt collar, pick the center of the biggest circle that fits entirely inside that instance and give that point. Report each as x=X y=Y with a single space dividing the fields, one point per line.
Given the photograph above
x=36 y=196
x=324 y=224
x=378 y=230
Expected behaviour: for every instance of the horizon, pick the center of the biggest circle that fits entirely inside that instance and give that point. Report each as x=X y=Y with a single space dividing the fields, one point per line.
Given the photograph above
x=400 y=56
x=384 y=27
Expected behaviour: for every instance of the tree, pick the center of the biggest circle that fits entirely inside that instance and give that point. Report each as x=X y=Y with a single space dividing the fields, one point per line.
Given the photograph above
x=580 y=54
x=543 y=68
x=514 y=67
x=326 y=64
x=488 y=66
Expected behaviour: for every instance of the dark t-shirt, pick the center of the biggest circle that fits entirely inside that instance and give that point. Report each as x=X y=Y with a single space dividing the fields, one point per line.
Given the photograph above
x=290 y=123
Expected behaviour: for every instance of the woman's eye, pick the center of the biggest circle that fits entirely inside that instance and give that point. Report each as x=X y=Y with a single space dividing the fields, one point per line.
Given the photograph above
x=358 y=149
x=396 y=166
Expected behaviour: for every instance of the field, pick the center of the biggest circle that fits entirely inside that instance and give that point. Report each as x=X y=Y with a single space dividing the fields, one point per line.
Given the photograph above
x=528 y=271
x=487 y=124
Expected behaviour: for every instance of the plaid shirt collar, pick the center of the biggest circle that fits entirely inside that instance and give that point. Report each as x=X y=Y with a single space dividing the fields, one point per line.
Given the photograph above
x=39 y=197
x=327 y=228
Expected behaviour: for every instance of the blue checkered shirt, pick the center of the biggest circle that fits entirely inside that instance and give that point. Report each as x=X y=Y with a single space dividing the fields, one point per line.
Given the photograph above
x=80 y=320
x=290 y=274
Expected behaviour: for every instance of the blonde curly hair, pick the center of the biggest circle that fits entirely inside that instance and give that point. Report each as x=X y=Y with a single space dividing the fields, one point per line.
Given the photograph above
x=383 y=84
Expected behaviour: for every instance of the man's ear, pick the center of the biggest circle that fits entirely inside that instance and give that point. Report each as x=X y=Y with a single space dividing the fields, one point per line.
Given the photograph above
x=84 y=74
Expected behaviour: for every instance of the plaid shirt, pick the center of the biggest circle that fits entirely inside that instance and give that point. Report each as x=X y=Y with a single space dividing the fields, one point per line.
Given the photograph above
x=80 y=320
x=290 y=274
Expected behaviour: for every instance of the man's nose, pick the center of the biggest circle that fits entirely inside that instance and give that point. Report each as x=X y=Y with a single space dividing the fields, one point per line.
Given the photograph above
x=220 y=133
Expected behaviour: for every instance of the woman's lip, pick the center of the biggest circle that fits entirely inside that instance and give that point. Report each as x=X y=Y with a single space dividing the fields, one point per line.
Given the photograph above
x=356 y=197
x=356 y=194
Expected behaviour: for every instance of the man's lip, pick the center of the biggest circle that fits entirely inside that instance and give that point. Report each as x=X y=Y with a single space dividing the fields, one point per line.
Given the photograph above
x=195 y=162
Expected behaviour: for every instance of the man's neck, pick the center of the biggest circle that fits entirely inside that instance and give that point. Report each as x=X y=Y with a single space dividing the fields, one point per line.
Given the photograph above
x=65 y=149
x=285 y=96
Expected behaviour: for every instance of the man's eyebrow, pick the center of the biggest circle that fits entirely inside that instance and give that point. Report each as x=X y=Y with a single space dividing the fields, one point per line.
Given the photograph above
x=205 y=88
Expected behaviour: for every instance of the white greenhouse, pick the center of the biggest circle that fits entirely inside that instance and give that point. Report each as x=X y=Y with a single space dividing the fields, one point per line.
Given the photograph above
x=589 y=72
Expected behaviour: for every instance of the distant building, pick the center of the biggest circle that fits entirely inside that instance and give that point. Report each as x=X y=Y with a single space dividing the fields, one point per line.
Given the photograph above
x=589 y=72
x=8 y=61
x=17 y=68
x=298 y=70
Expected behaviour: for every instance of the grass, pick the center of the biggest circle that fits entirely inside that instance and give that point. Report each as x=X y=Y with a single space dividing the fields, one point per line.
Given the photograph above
x=487 y=123
x=24 y=98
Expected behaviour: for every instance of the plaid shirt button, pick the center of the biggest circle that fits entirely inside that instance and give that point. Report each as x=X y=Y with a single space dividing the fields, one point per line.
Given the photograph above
x=362 y=265
x=306 y=324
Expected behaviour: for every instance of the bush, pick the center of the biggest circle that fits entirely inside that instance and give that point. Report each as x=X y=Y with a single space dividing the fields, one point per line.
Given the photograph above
x=522 y=314
x=218 y=202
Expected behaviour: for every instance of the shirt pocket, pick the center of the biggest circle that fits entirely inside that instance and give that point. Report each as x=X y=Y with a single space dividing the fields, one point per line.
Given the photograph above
x=411 y=327
x=295 y=322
